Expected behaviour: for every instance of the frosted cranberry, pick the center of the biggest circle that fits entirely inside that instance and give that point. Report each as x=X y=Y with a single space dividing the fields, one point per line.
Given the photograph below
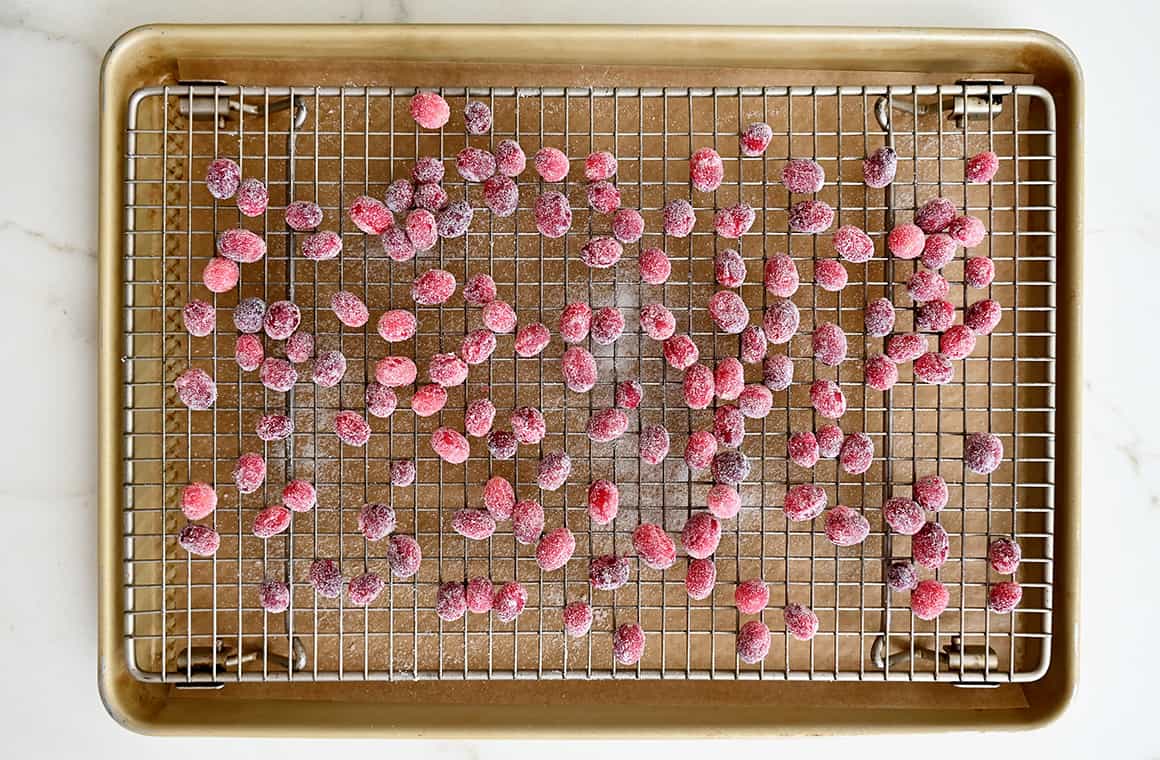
x=654 y=547
x=322 y=246
x=967 y=230
x=751 y=596
x=706 y=170
x=934 y=368
x=957 y=342
x=397 y=245
x=753 y=641
x=679 y=218
x=753 y=344
x=241 y=245
x=934 y=316
x=1004 y=555
x=700 y=449
x=501 y=444
x=803 y=175
x=729 y=268
x=222 y=177
x=575 y=322
x=603 y=197
x=925 y=285
x=654 y=266
x=532 y=339
x=551 y=164
x=777 y=372
x=422 y=229
x=627 y=225
x=397 y=325
x=299 y=496
x=198 y=500
x=447 y=370
x=733 y=222
x=474 y=524
x=978 y=272
x=395 y=371
x=220 y=275
x=811 y=216
x=555 y=549
x=935 y=215
x=800 y=621
x=853 y=244
x=607 y=425
x=780 y=321
x=200 y=540
x=474 y=164
x=603 y=501
x=1004 y=597
x=274 y=596
x=248 y=315
x=281 y=320
x=805 y=501
x=553 y=214
x=528 y=425
x=608 y=572
x=906 y=347
x=403 y=473
x=729 y=426
x=879 y=168
x=326 y=578
x=600 y=165
x=479 y=595
x=328 y=369
x=982 y=453
x=607 y=326
x=455 y=220
x=499 y=497
x=509 y=158
x=578 y=367
x=728 y=311
x=363 y=590
x=829 y=343
x=628 y=644
x=983 y=316
x=601 y=252
x=846 y=527
x=701 y=535
x=553 y=470
x=755 y=402
x=432 y=287
x=828 y=399
x=252 y=198
x=199 y=317
x=499 y=317
x=428 y=400
x=756 y=138
x=274 y=427
x=829 y=274
x=906 y=241
x=657 y=321
x=903 y=515
x=879 y=317
x=629 y=394
x=450 y=601
x=248 y=352
x=403 y=555
x=527 y=521
x=723 y=501
x=249 y=472
x=277 y=374
x=700 y=578
x=981 y=167
x=370 y=215
x=478 y=417
x=856 y=454
x=654 y=443
x=881 y=372
x=349 y=309
x=399 y=197
x=930 y=492
x=830 y=439
x=450 y=445
x=730 y=468
x=479 y=290
x=577 y=618
x=901 y=576
x=432 y=197
x=938 y=250
x=351 y=428
x=803 y=449
x=429 y=110
x=376 y=521
x=930 y=546
x=501 y=195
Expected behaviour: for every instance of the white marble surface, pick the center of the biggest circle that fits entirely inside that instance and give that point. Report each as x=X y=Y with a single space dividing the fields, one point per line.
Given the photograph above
x=50 y=52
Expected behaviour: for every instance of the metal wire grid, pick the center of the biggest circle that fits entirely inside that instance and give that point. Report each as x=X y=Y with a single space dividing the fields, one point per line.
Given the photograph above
x=355 y=141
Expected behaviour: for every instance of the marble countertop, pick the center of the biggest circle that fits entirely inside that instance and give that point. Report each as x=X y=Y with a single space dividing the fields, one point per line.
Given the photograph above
x=50 y=53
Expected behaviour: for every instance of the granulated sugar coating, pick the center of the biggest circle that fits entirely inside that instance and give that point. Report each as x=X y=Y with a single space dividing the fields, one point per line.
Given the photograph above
x=934 y=368
x=978 y=272
x=729 y=426
x=681 y=352
x=653 y=546
x=422 y=229
x=528 y=425
x=510 y=159
x=277 y=374
x=627 y=225
x=399 y=197
x=968 y=230
x=397 y=245
x=700 y=448
x=830 y=439
x=600 y=165
x=429 y=110
x=551 y=164
x=479 y=595
x=1004 y=597
x=397 y=325
x=248 y=315
x=474 y=524
x=553 y=214
x=555 y=549
x=701 y=535
x=578 y=368
x=322 y=246
x=450 y=445
x=802 y=448
x=274 y=427
x=478 y=417
x=906 y=347
x=706 y=170
x=451 y=601
x=501 y=195
x=929 y=599
x=729 y=268
x=657 y=321
x=281 y=320
x=200 y=540
x=370 y=215
x=755 y=401
x=499 y=497
x=553 y=470
x=700 y=578
x=328 y=369
x=853 y=244
x=199 y=318
x=723 y=502
x=754 y=346
x=957 y=342
x=603 y=501
x=403 y=473
x=349 y=309
x=751 y=596
x=608 y=572
x=351 y=428
x=1004 y=555
x=252 y=198
x=780 y=321
x=901 y=576
x=781 y=276
x=906 y=241
x=395 y=371
x=934 y=316
x=433 y=287
x=879 y=168
x=881 y=372
x=697 y=386
x=803 y=175
x=654 y=266
x=812 y=216
x=271 y=521
x=499 y=317
x=455 y=220
x=846 y=527
x=527 y=521
x=447 y=370
x=603 y=197
x=938 y=251
x=575 y=322
x=935 y=215
x=730 y=468
x=362 y=590
x=606 y=425
x=829 y=344
x=679 y=218
x=828 y=399
x=404 y=555
x=930 y=546
x=925 y=285
x=629 y=394
x=879 y=317
x=509 y=601
x=601 y=252
x=982 y=453
x=829 y=274
x=753 y=641
x=733 y=222
x=222 y=177
x=220 y=275
x=501 y=444
x=249 y=472
x=777 y=372
x=930 y=491
x=903 y=515
x=800 y=621
x=983 y=316
x=274 y=596
x=804 y=501
x=241 y=245
x=577 y=617
x=198 y=500
x=856 y=454
x=728 y=312
x=376 y=521
x=474 y=164
x=628 y=644
x=299 y=496
x=981 y=167
x=431 y=196
x=326 y=578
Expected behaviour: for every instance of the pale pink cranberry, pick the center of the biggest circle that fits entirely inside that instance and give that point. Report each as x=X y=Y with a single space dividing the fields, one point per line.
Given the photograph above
x=700 y=578
x=349 y=309
x=679 y=218
x=828 y=399
x=399 y=197
x=499 y=317
x=728 y=311
x=395 y=371
x=879 y=317
x=830 y=439
x=780 y=321
x=252 y=198
x=777 y=372
x=803 y=175
x=654 y=265
x=397 y=325
x=879 y=168
x=555 y=549
x=628 y=644
x=321 y=246
x=653 y=444
x=934 y=316
x=657 y=322
x=250 y=472
x=501 y=195
x=601 y=252
x=553 y=470
x=906 y=347
x=925 y=285
x=198 y=500
x=934 y=368
x=606 y=425
x=451 y=601
x=551 y=164
x=981 y=167
x=935 y=215
x=575 y=322
x=906 y=241
x=700 y=449
x=733 y=222
x=968 y=230
x=429 y=110
x=499 y=497
x=629 y=394
x=473 y=524
x=802 y=448
x=222 y=178
x=510 y=159
x=479 y=594
x=431 y=196
x=729 y=426
x=812 y=216
x=433 y=287
x=578 y=368
x=428 y=400
x=600 y=165
x=978 y=272
x=800 y=621
x=723 y=501
x=531 y=339
x=351 y=428
x=450 y=445
x=729 y=268
x=751 y=596
x=829 y=344
x=397 y=245
x=805 y=501
x=983 y=316
x=199 y=540
x=881 y=372
x=654 y=547
x=846 y=527
x=903 y=515
x=603 y=501
x=938 y=250
x=1004 y=597
x=957 y=342
x=299 y=496
x=853 y=244
x=607 y=326
x=199 y=317
x=930 y=546
x=829 y=274
x=527 y=521
x=474 y=164
x=753 y=344
x=376 y=521
x=627 y=225
x=220 y=275
x=370 y=215
x=930 y=491
x=603 y=197
x=553 y=214
x=403 y=555
x=756 y=138
x=241 y=245
x=1004 y=556
x=856 y=454
x=706 y=170
x=982 y=453
x=478 y=346
x=577 y=618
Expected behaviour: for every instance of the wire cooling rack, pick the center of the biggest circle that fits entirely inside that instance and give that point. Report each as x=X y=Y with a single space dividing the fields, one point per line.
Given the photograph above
x=195 y=621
